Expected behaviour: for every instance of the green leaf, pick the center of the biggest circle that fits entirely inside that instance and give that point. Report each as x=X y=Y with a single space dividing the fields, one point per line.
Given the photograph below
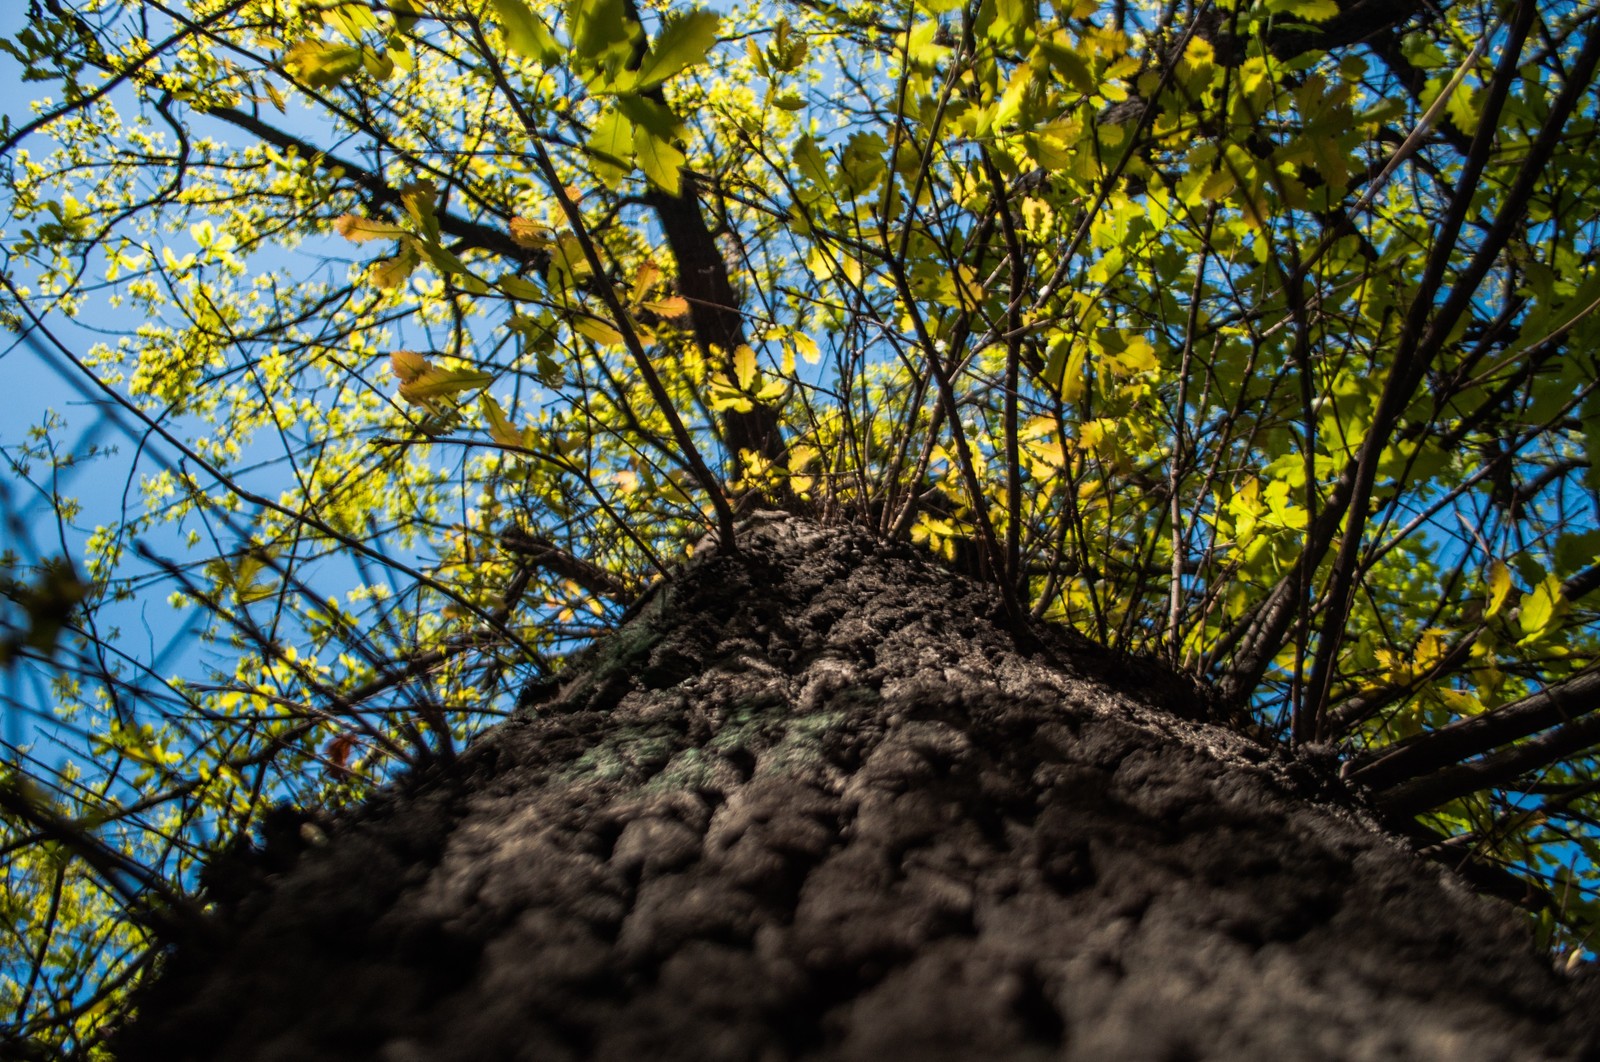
x=682 y=42
x=319 y=64
x=788 y=49
x=611 y=145
x=1463 y=109
x=649 y=114
x=442 y=260
x=1063 y=370
x=810 y=161
x=526 y=32
x=1541 y=608
x=661 y=162
x=1067 y=63
x=600 y=29
x=418 y=198
x=862 y=165
x=654 y=130
x=1217 y=184
x=1307 y=10
x=446 y=382
x=518 y=288
x=1004 y=21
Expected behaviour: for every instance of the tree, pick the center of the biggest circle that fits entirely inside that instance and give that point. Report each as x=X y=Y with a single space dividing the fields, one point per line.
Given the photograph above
x=815 y=800
x=1254 y=337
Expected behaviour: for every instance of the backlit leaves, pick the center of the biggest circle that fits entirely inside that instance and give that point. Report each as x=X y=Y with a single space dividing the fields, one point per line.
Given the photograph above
x=319 y=64
x=1173 y=285
x=423 y=382
x=525 y=31
x=683 y=42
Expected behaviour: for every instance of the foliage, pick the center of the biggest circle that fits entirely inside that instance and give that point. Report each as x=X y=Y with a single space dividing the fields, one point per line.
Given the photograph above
x=1257 y=335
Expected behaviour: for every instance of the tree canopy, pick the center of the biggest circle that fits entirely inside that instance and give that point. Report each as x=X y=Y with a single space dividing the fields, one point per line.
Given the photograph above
x=1254 y=335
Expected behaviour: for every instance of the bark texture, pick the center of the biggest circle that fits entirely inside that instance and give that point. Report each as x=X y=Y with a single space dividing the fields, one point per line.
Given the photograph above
x=813 y=802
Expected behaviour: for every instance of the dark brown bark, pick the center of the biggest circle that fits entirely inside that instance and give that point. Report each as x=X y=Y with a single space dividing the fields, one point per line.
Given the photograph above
x=1420 y=757
x=813 y=801
x=714 y=313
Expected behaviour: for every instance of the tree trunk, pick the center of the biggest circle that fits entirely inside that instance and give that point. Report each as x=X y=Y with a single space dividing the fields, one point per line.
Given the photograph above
x=813 y=801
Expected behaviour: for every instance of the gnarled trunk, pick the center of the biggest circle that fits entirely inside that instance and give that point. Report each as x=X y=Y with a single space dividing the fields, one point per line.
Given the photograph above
x=813 y=802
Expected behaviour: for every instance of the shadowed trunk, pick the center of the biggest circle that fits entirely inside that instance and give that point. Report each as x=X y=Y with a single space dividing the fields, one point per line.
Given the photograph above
x=813 y=802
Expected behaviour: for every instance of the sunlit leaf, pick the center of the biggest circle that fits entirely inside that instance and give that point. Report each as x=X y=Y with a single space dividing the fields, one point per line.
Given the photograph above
x=1541 y=608
x=319 y=64
x=659 y=159
x=526 y=32
x=360 y=230
x=682 y=42
x=421 y=380
x=500 y=427
x=1499 y=580
x=671 y=308
x=601 y=332
x=1306 y=10
x=744 y=366
x=390 y=273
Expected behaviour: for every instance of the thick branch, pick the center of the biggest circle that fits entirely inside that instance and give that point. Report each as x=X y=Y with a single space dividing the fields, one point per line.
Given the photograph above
x=714 y=312
x=542 y=553
x=477 y=234
x=1496 y=769
x=1422 y=756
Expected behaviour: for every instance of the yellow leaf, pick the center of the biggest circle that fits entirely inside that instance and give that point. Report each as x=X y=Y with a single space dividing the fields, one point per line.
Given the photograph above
x=360 y=230
x=436 y=382
x=391 y=272
x=1499 y=580
x=1137 y=356
x=1461 y=703
x=744 y=366
x=1072 y=382
x=421 y=380
x=600 y=331
x=408 y=365
x=645 y=280
x=808 y=348
x=530 y=234
x=725 y=396
x=670 y=308
x=518 y=288
x=801 y=457
x=1430 y=647
x=500 y=427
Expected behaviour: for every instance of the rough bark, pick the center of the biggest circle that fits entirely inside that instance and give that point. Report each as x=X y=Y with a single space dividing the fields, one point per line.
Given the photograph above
x=813 y=801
